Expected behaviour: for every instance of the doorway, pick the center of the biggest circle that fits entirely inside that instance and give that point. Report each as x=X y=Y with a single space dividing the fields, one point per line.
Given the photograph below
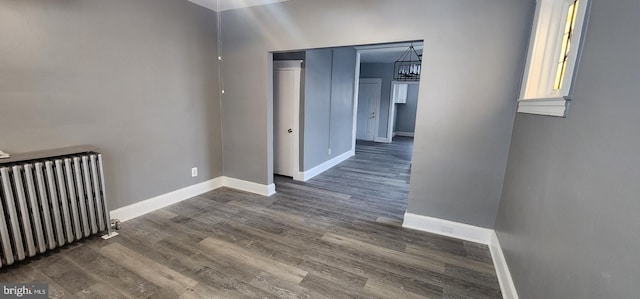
x=344 y=94
x=398 y=93
x=286 y=108
x=403 y=109
x=338 y=104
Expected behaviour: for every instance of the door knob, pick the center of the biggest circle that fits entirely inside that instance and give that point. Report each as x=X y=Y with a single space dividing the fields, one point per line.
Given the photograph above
x=290 y=131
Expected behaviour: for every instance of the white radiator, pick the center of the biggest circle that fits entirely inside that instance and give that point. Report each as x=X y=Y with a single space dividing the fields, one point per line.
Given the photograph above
x=47 y=203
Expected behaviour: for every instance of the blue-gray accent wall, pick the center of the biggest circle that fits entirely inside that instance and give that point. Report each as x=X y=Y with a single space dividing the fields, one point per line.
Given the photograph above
x=406 y=113
x=328 y=104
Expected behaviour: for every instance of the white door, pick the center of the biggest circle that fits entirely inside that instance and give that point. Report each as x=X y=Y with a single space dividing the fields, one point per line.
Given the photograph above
x=368 y=108
x=286 y=103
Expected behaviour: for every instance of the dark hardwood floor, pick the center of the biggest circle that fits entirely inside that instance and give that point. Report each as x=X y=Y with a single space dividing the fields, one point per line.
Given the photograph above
x=337 y=236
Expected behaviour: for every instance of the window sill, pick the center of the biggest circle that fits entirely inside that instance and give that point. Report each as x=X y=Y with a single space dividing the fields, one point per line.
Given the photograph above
x=548 y=106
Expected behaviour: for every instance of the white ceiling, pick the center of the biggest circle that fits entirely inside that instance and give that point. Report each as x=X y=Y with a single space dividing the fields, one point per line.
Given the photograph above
x=386 y=53
x=232 y=4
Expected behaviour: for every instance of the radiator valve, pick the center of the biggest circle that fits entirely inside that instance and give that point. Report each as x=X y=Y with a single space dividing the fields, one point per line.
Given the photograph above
x=115 y=223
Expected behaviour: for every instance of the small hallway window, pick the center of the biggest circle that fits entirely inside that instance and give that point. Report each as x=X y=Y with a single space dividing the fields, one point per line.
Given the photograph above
x=554 y=48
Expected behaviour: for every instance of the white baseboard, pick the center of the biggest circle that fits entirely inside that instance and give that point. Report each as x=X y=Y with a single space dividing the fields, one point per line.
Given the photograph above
x=507 y=287
x=309 y=174
x=381 y=139
x=299 y=176
x=447 y=228
x=260 y=189
x=149 y=205
x=404 y=134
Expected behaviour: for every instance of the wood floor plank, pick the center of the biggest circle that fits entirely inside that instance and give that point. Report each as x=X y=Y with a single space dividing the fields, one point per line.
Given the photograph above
x=109 y=273
x=99 y=291
x=372 y=270
x=389 y=221
x=478 y=278
x=451 y=259
x=243 y=256
x=333 y=274
x=218 y=274
x=281 y=288
x=69 y=276
x=312 y=190
x=385 y=290
x=156 y=273
x=267 y=212
x=332 y=289
x=478 y=252
x=388 y=254
x=201 y=290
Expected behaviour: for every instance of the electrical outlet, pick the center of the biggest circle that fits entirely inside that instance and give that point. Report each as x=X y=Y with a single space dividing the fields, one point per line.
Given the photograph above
x=329 y=151
x=194 y=172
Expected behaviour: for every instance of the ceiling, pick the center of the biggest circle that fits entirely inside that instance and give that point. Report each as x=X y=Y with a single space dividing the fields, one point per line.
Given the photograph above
x=232 y=4
x=386 y=53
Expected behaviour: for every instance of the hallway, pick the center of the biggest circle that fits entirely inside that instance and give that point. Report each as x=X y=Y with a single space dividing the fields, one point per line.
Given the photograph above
x=376 y=179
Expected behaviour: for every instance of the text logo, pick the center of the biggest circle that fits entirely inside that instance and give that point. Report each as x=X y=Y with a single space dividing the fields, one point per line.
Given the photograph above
x=24 y=290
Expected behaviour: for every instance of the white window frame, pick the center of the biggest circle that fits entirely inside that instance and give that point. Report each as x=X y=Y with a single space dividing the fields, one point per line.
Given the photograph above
x=537 y=94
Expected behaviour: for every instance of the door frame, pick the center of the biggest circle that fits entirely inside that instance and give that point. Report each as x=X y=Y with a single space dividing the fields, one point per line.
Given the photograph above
x=392 y=108
x=356 y=90
x=293 y=65
x=377 y=81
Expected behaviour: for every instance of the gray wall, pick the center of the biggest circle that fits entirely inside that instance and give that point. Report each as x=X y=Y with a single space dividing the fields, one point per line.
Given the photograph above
x=568 y=220
x=473 y=62
x=385 y=72
x=136 y=78
x=328 y=104
x=406 y=113
x=465 y=109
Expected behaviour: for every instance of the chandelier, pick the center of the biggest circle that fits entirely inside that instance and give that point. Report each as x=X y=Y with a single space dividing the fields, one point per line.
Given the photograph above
x=408 y=66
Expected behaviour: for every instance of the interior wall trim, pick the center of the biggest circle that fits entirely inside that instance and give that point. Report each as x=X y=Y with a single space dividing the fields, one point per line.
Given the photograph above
x=309 y=174
x=404 y=134
x=507 y=287
x=447 y=228
x=149 y=205
x=381 y=140
x=247 y=186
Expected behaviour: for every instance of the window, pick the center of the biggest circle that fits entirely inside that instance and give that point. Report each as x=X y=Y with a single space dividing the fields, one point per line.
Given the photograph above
x=553 y=53
x=566 y=44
